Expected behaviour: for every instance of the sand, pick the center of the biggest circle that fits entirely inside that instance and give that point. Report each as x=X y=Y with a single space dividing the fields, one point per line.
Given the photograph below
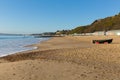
x=65 y=58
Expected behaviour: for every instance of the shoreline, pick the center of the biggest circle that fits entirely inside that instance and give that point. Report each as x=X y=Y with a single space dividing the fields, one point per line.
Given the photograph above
x=29 y=47
x=64 y=58
x=52 y=45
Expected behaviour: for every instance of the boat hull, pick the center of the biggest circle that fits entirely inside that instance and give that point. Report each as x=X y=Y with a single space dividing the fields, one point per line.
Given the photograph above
x=103 y=41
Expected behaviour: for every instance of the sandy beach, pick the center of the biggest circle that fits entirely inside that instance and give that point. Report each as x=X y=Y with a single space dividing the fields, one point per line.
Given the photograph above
x=65 y=58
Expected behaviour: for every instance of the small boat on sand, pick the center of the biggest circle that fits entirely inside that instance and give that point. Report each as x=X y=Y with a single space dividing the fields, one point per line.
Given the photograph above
x=104 y=41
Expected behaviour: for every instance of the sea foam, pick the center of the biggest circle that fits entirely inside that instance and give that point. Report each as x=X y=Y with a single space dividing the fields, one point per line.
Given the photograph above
x=14 y=44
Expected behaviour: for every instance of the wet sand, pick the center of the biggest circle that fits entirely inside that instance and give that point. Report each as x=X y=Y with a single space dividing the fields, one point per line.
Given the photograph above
x=65 y=58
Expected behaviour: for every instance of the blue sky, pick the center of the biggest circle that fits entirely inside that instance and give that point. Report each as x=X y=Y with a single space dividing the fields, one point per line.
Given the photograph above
x=37 y=16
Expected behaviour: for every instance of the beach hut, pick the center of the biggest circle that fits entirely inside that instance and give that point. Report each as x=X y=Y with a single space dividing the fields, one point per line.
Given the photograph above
x=113 y=32
x=89 y=34
x=99 y=33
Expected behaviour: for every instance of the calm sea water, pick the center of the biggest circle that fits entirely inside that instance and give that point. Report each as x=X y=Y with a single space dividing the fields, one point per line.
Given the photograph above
x=13 y=44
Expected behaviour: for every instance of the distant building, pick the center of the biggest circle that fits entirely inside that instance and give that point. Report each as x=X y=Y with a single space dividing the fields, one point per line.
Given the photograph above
x=99 y=33
x=88 y=34
x=113 y=32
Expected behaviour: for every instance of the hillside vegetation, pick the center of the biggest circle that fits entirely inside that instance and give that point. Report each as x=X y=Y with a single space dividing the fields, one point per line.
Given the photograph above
x=109 y=23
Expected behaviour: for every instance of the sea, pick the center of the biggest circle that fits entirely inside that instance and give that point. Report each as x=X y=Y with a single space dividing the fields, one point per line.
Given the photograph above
x=10 y=44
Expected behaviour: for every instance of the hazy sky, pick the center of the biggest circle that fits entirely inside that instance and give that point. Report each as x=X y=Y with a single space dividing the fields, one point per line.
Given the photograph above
x=36 y=16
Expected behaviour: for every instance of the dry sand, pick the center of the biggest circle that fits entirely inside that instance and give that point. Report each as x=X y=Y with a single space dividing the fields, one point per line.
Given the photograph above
x=65 y=58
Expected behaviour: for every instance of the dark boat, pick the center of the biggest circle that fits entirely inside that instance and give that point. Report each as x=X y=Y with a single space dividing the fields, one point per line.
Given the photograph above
x=107 y=41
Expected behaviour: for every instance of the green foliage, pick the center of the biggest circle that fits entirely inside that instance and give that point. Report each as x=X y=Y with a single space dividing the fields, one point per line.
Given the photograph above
x=109 y=23
x=80 y=29
x=62 y=32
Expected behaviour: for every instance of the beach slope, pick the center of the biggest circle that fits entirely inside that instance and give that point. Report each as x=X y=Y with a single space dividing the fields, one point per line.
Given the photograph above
x=65 y=58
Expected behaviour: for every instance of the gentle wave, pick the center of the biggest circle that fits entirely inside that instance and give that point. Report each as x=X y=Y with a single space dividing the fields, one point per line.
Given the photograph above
x=14 y=44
